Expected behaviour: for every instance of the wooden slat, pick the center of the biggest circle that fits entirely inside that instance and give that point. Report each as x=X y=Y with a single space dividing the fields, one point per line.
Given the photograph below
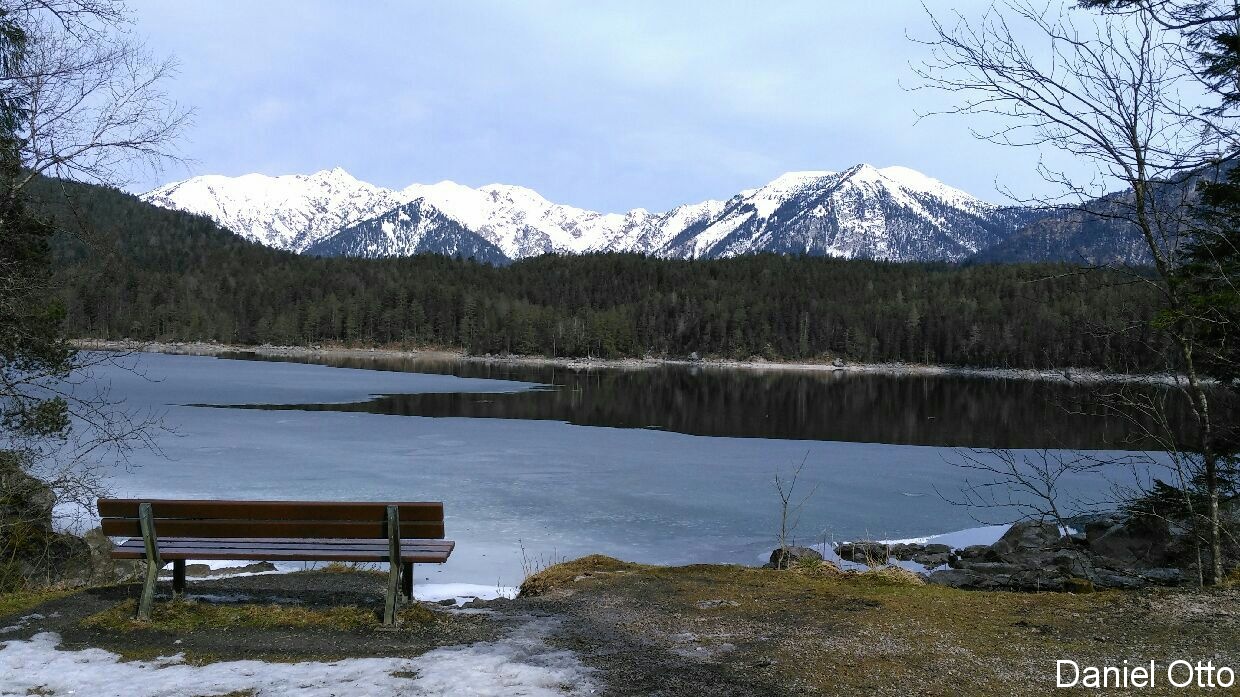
x=289 y=545
x=311 y=529
x=410 y=511
x=331 y=553
x=297 y=552
x=288 y=542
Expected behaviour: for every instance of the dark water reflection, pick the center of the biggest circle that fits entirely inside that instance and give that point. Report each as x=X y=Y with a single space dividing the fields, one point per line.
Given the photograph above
x=939 y=410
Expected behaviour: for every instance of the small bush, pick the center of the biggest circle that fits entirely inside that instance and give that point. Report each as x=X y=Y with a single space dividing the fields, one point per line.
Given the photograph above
x=893 y=576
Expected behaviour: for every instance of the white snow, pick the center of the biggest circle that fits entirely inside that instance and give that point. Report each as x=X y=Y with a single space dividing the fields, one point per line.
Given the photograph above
x=985 y=535
x=846 y=214
x=295 y=211
x=770 y=197
x=286 y=212
x=521 y=663
x=461 y=592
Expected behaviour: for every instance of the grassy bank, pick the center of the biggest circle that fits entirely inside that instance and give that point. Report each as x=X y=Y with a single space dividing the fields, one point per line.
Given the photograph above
x=722 y=630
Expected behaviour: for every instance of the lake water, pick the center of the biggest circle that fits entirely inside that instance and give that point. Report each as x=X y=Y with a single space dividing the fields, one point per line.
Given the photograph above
x=670 y=465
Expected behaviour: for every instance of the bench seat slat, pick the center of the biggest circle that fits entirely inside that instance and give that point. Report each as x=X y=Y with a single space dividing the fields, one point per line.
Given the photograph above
x=410 y=511
x=436 y=551
x=279 y=541
x=124 y=527
x=419 y=557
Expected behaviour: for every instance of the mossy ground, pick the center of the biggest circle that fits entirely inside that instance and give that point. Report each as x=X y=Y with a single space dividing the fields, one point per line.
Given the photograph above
x=702 y=629
x=881 y=634
x=14 y=602
x=181 y=616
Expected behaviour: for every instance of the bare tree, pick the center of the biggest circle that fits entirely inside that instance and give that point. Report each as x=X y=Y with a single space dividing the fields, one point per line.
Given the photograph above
x=1024 y=485
x=79 y=99
x=789 y=508
x=1116 y=92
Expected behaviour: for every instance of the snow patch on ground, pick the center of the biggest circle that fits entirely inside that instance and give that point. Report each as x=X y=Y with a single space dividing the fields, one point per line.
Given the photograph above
x=461 y=592
x=519 y=664
x=985 y=535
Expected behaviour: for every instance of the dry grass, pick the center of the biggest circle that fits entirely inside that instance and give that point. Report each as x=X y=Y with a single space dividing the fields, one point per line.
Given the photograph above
x=892 y=575
x=181 y=616
x=565 y=573
x=352 y=567
x=837 y=633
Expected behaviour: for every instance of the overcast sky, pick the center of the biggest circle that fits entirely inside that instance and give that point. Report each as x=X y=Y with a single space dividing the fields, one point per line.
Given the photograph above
x=607 y=106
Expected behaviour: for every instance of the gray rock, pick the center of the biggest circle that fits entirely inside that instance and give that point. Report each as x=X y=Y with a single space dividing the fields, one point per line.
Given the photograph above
x=865 y=552
x=991 y=567
x=975 y=551
x=1165 y=576
x=960 y=578
x=1027 y=537
x=783 y=557
x=1137 y=541
x=205 y=570
x=931 y=561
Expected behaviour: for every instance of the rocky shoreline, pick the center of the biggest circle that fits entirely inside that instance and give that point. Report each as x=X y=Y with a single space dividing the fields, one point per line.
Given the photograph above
x=1109 y=552
x=198 y=348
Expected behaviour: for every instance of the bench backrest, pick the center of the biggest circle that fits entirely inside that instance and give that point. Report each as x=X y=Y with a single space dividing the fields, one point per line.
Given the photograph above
x=272 y=519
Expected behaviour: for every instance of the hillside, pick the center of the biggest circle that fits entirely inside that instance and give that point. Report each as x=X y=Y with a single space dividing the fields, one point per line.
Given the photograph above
x=134 y=270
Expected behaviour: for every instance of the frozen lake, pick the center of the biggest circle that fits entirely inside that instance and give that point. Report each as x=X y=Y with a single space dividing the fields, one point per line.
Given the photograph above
x=555 y=488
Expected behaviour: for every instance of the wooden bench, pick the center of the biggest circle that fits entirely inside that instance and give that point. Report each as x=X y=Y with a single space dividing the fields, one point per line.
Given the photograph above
x=162 y=531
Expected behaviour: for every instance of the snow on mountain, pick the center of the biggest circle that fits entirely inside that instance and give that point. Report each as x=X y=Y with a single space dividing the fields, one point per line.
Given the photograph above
x=409 y=229
x=287 y=212
x=893 y=213
x=522 y=223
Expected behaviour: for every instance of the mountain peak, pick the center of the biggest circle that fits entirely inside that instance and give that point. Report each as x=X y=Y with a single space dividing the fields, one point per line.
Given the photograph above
x=893 y=213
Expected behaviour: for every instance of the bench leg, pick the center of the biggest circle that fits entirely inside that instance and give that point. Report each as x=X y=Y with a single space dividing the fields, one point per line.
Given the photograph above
x=406 y=586
x=393 y=595
x=148 y=590
x=146 y=519
x=394 y=565
x=178 y=578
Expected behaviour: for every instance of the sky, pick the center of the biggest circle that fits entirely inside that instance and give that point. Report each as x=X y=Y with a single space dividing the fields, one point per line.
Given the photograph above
x=602 y=105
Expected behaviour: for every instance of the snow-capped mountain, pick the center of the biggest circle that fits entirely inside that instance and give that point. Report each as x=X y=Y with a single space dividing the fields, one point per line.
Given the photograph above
x=523 y=224
x=409 y=229
x=288 y=212
x=894 y=214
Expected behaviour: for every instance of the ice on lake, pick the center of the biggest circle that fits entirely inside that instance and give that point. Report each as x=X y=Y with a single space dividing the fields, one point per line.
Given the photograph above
x=544 y=489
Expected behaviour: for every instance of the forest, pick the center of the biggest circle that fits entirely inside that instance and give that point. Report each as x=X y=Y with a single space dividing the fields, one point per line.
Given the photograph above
x=130 y=270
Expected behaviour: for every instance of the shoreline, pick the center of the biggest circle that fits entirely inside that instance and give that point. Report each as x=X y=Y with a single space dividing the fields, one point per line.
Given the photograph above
x=203 y=348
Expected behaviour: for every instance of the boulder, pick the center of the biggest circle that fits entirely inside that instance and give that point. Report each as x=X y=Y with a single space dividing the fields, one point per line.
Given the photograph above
x=960 y=578
x=1133 y=542
x=205 y=570
x=783 y=557
x=91 y=563
x=865 y=552
x=1028 y=538
x=931 y=561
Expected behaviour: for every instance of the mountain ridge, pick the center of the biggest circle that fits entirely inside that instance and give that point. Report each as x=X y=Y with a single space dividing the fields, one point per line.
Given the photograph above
x=893 y=214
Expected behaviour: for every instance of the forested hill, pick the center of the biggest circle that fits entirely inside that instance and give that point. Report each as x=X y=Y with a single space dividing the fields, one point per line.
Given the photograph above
x=132 y=270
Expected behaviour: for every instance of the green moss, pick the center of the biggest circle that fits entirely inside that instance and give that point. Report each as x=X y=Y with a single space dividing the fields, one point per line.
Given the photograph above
x=22 y=600
x=180 y=616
